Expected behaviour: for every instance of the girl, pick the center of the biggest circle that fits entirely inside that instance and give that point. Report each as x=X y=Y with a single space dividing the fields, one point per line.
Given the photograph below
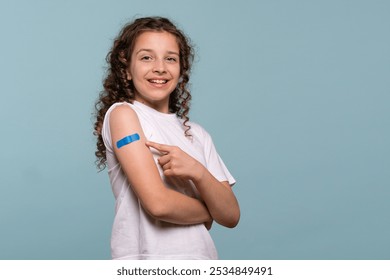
x=167 y=178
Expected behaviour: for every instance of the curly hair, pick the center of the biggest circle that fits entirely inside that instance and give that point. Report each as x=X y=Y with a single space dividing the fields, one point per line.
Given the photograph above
x=117 y=88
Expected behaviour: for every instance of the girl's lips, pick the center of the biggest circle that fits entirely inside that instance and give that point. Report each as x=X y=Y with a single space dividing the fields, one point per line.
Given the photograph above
x=158 y=81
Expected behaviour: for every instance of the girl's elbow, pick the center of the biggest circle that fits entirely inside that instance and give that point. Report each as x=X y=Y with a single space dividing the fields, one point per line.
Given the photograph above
x=156 y=207
x=232 y=220
x=158 y=211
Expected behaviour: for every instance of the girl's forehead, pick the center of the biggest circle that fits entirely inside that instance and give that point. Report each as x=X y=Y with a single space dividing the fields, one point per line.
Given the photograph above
x=156 y=40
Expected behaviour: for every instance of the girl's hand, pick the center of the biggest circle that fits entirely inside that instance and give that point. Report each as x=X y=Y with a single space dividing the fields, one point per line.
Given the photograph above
x=175 y=162
x=217 y=196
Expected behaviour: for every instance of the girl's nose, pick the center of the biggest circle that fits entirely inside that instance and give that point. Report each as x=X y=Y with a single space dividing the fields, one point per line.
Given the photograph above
x=159 y=66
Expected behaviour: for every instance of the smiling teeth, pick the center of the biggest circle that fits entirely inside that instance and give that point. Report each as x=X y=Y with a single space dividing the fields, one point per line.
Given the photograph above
x=158 y=81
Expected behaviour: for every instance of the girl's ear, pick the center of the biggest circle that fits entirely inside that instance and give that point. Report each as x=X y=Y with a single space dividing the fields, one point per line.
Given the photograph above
x=128 y=75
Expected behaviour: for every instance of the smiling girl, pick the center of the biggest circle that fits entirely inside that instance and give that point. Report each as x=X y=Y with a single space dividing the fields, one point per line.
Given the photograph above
x=167 y=178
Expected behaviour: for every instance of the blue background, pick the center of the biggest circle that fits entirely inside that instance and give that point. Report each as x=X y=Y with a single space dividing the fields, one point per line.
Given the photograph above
x=296 y=95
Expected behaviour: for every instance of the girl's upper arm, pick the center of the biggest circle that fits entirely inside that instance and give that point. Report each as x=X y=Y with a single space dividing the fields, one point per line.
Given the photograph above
x=136 y=159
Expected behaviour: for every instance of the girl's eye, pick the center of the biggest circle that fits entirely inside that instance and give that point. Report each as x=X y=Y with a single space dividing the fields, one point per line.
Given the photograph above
x=171 y=59
x=146 y=57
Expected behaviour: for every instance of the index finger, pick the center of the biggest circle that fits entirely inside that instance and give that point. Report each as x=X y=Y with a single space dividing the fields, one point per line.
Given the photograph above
x=159 y=147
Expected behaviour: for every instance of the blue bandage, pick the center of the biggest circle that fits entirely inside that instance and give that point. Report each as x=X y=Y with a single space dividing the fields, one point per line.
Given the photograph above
x=127 y=140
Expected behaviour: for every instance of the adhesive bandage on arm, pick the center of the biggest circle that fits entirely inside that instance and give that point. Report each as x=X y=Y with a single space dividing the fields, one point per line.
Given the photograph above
x=127 y=140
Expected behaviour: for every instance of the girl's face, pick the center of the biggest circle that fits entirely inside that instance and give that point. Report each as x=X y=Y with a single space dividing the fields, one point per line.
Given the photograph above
x=155 y=68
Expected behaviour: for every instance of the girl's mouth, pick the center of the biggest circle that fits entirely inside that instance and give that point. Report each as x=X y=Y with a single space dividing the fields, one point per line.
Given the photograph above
x=158 y=81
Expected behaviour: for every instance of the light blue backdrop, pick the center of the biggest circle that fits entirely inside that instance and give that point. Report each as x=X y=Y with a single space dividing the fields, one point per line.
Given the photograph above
x=296 y=95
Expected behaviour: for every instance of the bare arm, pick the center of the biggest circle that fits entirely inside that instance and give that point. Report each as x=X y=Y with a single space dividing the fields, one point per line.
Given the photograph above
x=218 y=196
x=138 y=164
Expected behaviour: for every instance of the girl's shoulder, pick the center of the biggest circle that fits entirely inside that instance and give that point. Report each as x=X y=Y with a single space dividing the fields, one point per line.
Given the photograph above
x=120 y=104
x=119 y=109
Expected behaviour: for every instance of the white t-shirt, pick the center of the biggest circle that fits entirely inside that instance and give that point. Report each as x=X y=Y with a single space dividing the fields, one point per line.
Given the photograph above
x=135 y=234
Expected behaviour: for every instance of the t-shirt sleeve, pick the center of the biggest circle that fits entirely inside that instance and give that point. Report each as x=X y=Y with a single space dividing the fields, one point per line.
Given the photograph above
x=214 y=163
x=106 y=132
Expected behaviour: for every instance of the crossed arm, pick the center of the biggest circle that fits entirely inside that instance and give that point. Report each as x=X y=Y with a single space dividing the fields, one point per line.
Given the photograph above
x=218 y=196
x=163 y=203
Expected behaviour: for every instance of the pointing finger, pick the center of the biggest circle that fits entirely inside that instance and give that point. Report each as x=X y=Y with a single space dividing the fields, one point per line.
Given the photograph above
x=159 y=147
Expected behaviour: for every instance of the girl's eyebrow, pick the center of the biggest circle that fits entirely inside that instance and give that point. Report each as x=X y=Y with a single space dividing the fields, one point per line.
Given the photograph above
x=172 y=52
x=144 y=50
x=150 y=50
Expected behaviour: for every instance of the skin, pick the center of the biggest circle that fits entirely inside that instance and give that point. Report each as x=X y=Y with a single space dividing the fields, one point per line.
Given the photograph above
x=155 y=71
x=155 y=58
x=218 y=196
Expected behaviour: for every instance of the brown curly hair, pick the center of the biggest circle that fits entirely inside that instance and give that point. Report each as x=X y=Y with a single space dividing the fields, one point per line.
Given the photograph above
x=118 y=89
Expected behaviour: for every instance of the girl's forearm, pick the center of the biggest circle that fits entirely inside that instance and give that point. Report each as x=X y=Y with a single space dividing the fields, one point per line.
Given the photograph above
x=219 y=198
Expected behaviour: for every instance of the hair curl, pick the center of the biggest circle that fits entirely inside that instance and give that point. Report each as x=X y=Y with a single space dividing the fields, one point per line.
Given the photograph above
x=118 y=89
